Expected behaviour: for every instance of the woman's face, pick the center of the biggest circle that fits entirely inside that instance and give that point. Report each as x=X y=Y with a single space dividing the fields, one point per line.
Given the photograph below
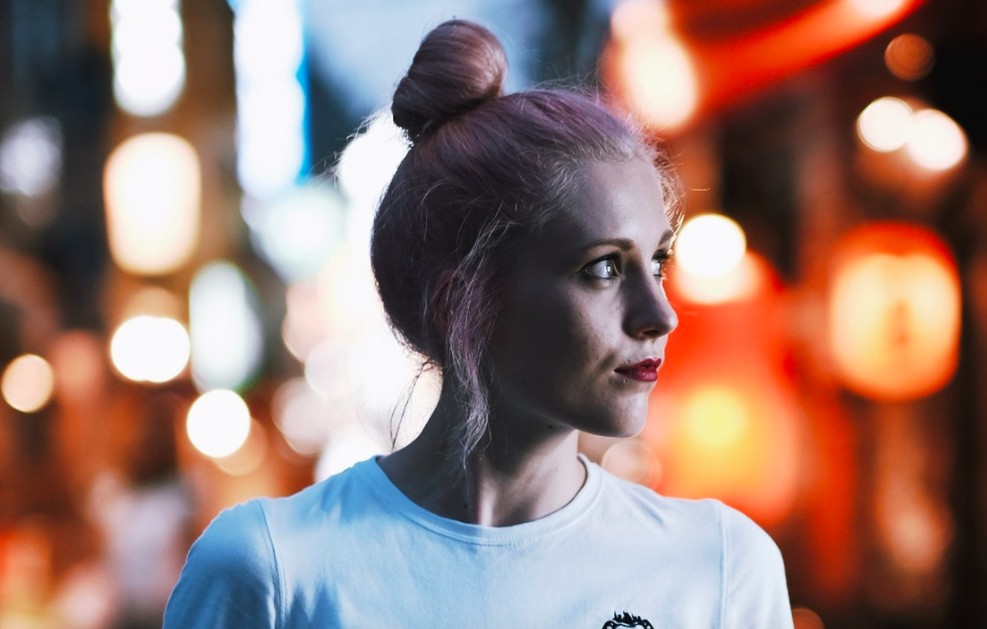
x=584 y=321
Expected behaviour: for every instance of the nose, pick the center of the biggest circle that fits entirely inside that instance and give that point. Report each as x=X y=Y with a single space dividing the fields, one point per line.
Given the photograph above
x=648 y=312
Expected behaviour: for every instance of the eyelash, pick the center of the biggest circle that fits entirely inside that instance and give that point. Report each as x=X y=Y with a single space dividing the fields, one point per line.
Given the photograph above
x=664 y=259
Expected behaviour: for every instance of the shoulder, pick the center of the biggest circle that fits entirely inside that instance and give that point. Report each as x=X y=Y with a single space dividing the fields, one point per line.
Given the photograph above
x=721 y=525
x=252 y=557
x=755 y=587
x=744 y=540
x=237 y=536
x=750 y=554
x=696 y=518
x=229 y=576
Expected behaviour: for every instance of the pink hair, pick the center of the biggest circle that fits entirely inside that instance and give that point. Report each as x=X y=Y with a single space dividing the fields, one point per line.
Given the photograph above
x=485 y=172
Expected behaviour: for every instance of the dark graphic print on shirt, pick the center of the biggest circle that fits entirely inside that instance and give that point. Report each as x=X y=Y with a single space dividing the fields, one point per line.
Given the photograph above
x=626 y=620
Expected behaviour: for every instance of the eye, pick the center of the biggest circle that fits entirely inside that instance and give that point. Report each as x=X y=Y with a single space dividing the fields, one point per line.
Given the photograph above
x=660 y=263
x=603 y=269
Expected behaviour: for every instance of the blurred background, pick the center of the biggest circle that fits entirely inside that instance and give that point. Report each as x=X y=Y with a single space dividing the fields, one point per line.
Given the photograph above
x=188 y=319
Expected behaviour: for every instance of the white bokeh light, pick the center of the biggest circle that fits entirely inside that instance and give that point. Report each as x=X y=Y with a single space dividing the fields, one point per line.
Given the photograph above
x=886 y=124
x=31 y=156
x=368 y=163
x=937 y=143
x=148 y=61
x=347 y=296
x=267 y=39
x=152 y=185
x=28 y=383
x=150 y=349
x=877 y=8
x=297 y=232
x=710 y=245
x=302 y=416
x=149 y=83
x=226 y=329
x=661 y=81
x=268 y=53
x=218 y=423
x=344 y=451
x=270 y=136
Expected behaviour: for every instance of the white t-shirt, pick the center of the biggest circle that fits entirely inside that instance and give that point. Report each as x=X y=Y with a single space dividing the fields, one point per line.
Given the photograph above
x=353 y=551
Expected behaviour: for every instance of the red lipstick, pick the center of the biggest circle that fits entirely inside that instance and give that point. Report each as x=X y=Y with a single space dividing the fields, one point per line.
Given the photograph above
x=645 y=371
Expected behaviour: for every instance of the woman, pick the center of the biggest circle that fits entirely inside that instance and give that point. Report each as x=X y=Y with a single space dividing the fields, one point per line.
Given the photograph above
x=520 y=247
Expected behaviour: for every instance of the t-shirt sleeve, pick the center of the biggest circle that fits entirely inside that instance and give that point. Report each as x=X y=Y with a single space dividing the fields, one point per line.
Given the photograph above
x=230 y=579
x=756 y=593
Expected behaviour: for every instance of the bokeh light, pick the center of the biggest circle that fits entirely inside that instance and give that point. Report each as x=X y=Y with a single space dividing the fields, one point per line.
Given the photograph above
x=659 y=81
x=78 y=359
x=937 y=143
x=155 y=301
x=328 y=368
x=31 y=156
x=248 y=457
x=710 y=245
x=28 y=383
x=268 y=54
x=909 y=57
x=744 y=281
x=365 y=168
x=633 y=460
x=894 y=311
x=150 y=349
x=805 y=618
x=886 y=124
x=268 y=41
x=270 y=149
x=639 y=18
x=345 y=450
x=225 y=327
x=889 y=314
x=152 y=186
x=148 y=61
x=218 y=423
x=877 y=8
x=302 y=328
x=85 y=599
x=915 y=529
x=302 y=416
x=297 y=231
x=732 y=437
x=347 y=295
x=714 y=417
x=383 y=370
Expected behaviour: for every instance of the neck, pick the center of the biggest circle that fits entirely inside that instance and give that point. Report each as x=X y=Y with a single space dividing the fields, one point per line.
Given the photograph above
x=505 y=482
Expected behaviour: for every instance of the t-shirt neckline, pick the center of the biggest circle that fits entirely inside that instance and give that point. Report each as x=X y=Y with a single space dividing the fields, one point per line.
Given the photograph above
x=394 y=499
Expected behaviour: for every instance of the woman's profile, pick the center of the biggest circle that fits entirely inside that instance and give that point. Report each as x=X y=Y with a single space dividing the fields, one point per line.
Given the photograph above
x=520 y=248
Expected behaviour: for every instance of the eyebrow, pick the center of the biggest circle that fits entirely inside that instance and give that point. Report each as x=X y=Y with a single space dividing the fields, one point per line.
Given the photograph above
x=626 y=244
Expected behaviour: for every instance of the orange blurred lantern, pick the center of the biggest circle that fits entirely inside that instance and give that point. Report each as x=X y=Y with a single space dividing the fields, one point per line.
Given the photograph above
x=894 y=311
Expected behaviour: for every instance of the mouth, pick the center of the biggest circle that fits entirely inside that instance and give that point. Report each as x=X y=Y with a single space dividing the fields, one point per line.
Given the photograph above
x=644 y=371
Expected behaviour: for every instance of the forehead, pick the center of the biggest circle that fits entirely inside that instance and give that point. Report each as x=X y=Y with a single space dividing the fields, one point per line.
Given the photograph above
x=615 y=200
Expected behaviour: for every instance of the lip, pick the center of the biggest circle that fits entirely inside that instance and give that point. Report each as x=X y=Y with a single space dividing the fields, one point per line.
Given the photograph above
x=644 y=371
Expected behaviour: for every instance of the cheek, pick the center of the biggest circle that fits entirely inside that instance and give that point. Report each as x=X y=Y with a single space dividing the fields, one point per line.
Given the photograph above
x=561 y=330
x=554 y=337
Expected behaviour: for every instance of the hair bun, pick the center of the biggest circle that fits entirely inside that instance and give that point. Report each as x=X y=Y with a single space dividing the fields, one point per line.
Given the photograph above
x=459 y=65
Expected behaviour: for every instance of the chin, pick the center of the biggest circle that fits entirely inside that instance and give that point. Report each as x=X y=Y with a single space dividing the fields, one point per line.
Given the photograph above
x=628 y=425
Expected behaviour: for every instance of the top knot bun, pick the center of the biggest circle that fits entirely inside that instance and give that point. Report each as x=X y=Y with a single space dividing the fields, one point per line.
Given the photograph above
x=459 y=65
